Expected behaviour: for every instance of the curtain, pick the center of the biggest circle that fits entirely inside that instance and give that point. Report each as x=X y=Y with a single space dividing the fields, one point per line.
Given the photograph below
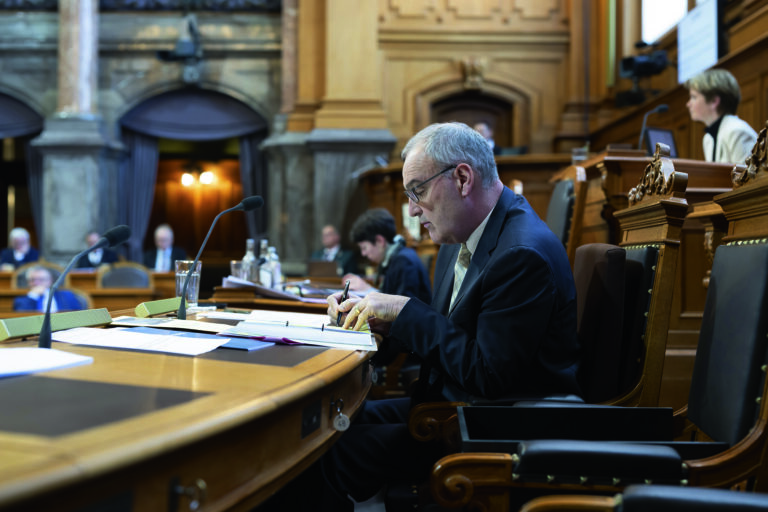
x=138 y=174
x=253 y=175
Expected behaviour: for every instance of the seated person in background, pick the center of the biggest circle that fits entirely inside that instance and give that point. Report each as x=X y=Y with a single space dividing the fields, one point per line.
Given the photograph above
x=332 y=251
x=400 y=270
x=485 y=130
x=714 y=98
x=163 y=256
x=19 y=251
x=39 y=280
x=502 y=319
x=96 y=257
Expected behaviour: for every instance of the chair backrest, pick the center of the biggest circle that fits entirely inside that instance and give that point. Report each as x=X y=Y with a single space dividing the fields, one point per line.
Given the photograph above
x=639 y=274
x=728 y=375
x=560 y=209
x=125 y=274
x=19 y=279
x=83 y=297
x=599 y=276
x=651 y=229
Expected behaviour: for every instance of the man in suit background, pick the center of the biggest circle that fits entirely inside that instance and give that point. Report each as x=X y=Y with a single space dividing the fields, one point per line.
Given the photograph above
x=162 y=257
x=346 y=262
x=502 y=320
x=485 y=130
x=39 y=280
x=97 y=257
x=19 y=251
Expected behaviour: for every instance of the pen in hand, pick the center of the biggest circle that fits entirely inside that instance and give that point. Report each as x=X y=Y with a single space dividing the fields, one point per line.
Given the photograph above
x=343 y=298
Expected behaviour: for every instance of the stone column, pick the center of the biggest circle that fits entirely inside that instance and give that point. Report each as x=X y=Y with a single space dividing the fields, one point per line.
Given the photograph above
x=79 y=163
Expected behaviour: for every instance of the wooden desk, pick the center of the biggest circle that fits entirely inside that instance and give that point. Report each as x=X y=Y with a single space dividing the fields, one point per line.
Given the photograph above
x=85 y=279
x=242 y=424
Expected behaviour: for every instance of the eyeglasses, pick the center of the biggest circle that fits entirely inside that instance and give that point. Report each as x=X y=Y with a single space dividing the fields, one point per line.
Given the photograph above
x=415 y=196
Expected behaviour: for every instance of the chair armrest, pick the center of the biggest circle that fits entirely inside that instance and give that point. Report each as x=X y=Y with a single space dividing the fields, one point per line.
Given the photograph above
x=597 y=463
x=435 y=421
x=501 y=429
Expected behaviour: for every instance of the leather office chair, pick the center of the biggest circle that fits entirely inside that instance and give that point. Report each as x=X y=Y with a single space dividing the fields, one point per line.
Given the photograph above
x=560 y=209
x=727 y=410
x=126 y=274
x=654 y=498
x=83 y=297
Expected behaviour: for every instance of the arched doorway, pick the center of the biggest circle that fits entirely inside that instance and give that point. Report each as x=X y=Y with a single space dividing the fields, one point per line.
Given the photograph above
x=186 y=130
x=472 y=107
x=20 y=171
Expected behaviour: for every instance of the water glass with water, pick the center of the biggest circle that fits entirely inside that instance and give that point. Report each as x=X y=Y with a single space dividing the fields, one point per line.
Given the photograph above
x=193 y=288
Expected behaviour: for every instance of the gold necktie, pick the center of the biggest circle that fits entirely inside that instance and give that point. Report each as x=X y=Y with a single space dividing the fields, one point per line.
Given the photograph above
x=460 y=270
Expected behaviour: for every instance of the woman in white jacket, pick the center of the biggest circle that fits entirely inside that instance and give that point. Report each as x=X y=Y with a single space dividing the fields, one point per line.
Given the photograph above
x=714 y=98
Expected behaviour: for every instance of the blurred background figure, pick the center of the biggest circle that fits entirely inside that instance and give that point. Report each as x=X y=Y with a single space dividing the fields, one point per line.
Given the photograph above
x=483 y=129
x=714 y=98
x=161 y=258
x=19 y=250
x=400 y=270
x=40 y=280
x=332 y=251
x=96 y=257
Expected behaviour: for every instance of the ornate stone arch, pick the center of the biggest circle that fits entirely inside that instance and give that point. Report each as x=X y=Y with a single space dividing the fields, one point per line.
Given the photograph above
x=427 y=91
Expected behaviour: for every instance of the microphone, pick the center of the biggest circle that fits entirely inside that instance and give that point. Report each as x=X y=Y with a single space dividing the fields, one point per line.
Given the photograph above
x=659 y=109
x=246 y=205
x=113 y=237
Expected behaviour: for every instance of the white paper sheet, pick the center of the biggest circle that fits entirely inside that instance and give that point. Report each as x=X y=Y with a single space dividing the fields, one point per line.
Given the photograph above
x=129 y=339
x=24 y=360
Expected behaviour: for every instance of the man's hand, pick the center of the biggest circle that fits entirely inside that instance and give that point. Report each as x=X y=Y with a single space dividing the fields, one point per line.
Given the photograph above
x=379 y=307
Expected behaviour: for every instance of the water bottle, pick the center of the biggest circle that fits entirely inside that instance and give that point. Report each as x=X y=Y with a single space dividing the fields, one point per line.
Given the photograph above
x=248 y=268
x=265 y=270
x=277 y=272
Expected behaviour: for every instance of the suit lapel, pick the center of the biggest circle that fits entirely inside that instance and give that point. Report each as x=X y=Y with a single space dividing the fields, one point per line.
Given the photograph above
x=485 y=248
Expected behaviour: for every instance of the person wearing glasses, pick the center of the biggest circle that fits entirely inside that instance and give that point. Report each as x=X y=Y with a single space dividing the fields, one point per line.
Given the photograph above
x=502 y=320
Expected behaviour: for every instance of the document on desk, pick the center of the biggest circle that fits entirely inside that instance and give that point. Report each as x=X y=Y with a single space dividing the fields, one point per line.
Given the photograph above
x=301 y=329
x=24 y=360
x=273 y=293
x=153 y=340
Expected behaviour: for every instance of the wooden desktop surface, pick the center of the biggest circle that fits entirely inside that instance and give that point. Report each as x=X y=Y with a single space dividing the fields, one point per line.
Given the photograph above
x=243 y=425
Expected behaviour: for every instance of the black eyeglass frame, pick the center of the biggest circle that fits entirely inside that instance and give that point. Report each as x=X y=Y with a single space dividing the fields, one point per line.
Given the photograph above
x=411 y=192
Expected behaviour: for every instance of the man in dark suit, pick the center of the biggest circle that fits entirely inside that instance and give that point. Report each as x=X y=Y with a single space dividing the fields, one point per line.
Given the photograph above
x=502 y=319
x=485 y=130
x=332 y=251
x=39 y=280
x=163 y=256
x=97 y=257
x=19 y=252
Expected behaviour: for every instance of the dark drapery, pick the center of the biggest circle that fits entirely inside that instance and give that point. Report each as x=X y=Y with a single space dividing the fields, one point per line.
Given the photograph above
x=253 y=175
x=190 y=114
x=138 y=174
x=17 y=120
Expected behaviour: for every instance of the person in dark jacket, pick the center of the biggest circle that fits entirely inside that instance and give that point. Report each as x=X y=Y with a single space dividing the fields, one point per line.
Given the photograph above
x=19 y=251
x=97 y=257
x=39 y=280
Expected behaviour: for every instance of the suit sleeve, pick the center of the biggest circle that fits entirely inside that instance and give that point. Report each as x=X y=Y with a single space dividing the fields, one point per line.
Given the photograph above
x=407 y=276
x=503 y=337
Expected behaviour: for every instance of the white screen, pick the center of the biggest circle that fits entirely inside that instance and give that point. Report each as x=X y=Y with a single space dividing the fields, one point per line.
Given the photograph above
x=697 y=40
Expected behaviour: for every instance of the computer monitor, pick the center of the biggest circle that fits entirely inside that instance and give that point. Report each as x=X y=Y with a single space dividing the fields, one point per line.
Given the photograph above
x=663 y=135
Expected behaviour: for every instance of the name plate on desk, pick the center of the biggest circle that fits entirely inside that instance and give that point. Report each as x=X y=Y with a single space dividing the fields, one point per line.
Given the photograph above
x=157 y=307
x=30 y=325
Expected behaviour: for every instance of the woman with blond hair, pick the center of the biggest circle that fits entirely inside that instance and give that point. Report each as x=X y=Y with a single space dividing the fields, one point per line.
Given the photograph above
x=714 y=98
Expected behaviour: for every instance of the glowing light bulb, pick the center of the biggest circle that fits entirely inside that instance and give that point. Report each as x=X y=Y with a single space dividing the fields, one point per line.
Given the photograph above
x=207 y=178
x=187 y=179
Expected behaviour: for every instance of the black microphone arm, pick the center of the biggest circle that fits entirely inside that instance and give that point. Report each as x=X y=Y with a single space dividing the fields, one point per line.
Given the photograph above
x=111 y=238
x=659 y=109
x=246 y=205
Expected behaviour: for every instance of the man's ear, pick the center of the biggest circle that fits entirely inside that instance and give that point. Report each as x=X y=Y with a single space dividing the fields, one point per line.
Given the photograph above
x=465 y=179
x=380 y=240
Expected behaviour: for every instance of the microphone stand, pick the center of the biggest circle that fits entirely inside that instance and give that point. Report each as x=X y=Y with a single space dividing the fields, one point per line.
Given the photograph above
x=246 y=204
x=660 y=108
x=111 y=238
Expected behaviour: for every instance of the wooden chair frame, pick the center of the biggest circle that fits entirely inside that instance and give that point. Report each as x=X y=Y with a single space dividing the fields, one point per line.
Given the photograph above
x=483 y=481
